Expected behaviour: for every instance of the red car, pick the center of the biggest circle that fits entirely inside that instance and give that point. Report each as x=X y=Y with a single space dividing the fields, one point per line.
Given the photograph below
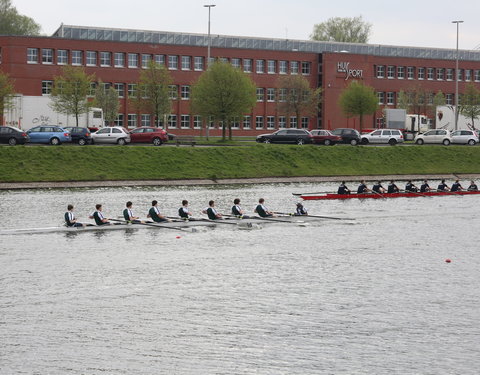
x=147 y=134
x=321 y=136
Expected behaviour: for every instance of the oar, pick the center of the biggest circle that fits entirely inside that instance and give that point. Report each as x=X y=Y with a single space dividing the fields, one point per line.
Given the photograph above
x=318 y=192
x=318 y=216
x=380 y=194
x=273 y=219
x=154 y=225
x=416 y=192
x=218 y=221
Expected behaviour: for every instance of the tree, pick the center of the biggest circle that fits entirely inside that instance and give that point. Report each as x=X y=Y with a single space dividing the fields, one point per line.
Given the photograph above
x=107 y=100
x=297 y=97
x=469 y=103
x=358 y=100
x=419 y=101
x=342 y=29
x=153 y=91
x=70 y=90
x=223 y=93
x=12 y=23
x=6 y=93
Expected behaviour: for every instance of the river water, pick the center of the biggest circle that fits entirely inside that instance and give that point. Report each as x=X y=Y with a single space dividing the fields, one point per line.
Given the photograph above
x=371 y=295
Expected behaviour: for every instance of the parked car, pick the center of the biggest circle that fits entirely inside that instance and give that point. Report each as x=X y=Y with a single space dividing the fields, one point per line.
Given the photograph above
x=390 y=136
x=12 y=136
x=348 y=135
x=55 y=135
x=465 y=137
x=79 y=135
x=296 y=136
x=325 y=137
x=147 y=134
x=441 y=136
x=111 y=134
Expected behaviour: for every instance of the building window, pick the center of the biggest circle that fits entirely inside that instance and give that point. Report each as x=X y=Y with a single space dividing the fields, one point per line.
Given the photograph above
x=173 y=92
x=260 y=94
x=247 y=65
x=91 y=58
x=390 y=72
x=47 y=87
x=185 y=92
x=306 y=67
x=132 y=120
x=62 y=57
x=283 y=67
x=282 y=122
x=440 y=74
x=270 y=122
x=172 y=62
x=211 y=124
x=247 y=120
x=282 y=95
x=159 y=59
x=120 y=120
x=235 y=123
x=120 y=88
x=411 y=72
x=223 y=60
x=450 y=74
x=259 y=122
x=132 y=90
x=430 y=73
x=236 y=63
x=197 y=122
x=460 y=74
x=401 y=72
x=198 y=63
x=390 y=98
x=293 y=122
x=449 y=99
x=105 y=58
x=185 y=121
x=32 y=55
x=381 y=97
x=133 y=60
x=146 y=60
x=260 y=66
x=304 y=122
x=468 y=75
x=47 y=56
x=172 y=121
x=145 y=120
x=294 y=67
x=271 y=67
x=119 y=60
x=92 y=89
x=477 y=75
x=421 y=73
x=186 y=63
x=270 y=95
x=380 y=71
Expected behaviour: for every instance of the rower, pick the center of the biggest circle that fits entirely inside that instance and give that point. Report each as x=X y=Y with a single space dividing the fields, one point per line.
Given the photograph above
x=184 y=211
x=425 y=187
x=343 y=189
x=456 y=186
x=443 y=186
x=237 y=210
x=473 y=186
x=301 y=210
x=98 y=216
x=378 y=188
x=362 y=188
x=392 y=188
x=70 y=219
x=211 y=211
x=154 y=213
x=261 y=210
x=128 y=214
x=410 y=187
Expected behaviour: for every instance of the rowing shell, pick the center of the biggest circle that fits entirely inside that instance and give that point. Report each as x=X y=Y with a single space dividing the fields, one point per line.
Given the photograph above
x=386 y=195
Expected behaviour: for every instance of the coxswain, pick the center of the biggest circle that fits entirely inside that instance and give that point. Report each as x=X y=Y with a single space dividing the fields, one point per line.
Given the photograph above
x=98 y=216
x=392 y=188
x=237 y=210
x=70 y=219
x=425 y=187
x=261 y=210
x=456 y=186
x=343 y=189
x=473 y=186
x=362 y=188
x=443 y=186
x=411 y=187
x=184 y=211
x=211 y=211
x=301 y=210
x=378 y=188
x=128 y=214
x=154 y=213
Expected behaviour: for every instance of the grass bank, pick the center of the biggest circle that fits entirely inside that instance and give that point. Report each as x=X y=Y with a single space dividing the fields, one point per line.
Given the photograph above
x=71 y=163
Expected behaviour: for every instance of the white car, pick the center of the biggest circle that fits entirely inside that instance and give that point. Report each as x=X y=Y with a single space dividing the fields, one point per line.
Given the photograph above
x=111 y=134
x=465 y=137
x=440 y=136
x=390 y=136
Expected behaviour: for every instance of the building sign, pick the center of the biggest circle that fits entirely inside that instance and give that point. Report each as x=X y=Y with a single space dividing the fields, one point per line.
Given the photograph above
x=344 y=67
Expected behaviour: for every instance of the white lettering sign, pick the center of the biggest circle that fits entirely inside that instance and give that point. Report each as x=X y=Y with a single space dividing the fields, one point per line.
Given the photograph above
x=344 y=67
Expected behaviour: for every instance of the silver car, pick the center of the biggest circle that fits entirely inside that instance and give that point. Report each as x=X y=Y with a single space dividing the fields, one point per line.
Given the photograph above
x=441 y=136
x=390 y=136
x=111 y=134
x=465 y=137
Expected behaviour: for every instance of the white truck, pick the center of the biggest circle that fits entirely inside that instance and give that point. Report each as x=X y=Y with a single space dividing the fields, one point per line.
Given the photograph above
x=29 y=111
x=410 y=124
x=446 y=119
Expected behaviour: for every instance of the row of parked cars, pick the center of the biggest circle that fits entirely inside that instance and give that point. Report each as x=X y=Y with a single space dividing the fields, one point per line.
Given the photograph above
x=56 y=135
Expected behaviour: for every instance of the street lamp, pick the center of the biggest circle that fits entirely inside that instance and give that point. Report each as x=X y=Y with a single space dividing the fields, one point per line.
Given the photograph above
x=208 y=53
x=456 y=79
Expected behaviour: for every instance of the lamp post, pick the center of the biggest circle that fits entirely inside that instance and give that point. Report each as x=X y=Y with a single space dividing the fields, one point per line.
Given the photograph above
x=456 y=79
x=210 y=6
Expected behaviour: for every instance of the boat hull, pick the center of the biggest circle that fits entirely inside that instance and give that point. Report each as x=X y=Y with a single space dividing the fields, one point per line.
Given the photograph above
x=386 y=195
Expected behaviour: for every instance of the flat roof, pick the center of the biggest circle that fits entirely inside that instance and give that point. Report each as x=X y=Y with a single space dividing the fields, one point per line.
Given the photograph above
x=225 y=41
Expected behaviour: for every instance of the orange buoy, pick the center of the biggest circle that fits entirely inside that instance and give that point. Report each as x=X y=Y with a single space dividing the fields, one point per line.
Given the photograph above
x=448 y=260
x=178 y=237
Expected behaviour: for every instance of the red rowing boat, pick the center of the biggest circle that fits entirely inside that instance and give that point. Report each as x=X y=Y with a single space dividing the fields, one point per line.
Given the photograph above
x=314 y=196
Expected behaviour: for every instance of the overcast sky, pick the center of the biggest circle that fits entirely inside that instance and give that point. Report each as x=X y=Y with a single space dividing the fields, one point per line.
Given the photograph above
x=424 y=23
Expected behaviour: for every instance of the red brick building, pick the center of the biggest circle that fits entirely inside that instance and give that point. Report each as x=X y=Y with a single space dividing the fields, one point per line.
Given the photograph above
x=117 y=57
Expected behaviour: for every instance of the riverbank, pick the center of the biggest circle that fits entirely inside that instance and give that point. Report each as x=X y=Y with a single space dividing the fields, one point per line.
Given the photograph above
x=66 y=166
